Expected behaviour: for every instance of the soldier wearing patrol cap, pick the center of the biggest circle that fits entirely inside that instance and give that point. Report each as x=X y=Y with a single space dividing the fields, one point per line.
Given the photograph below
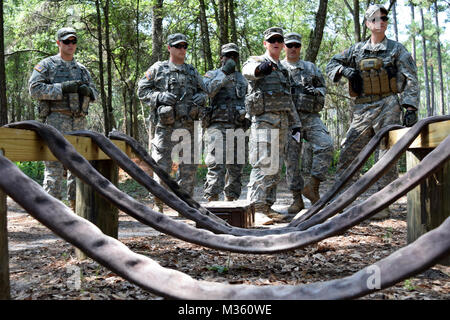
x=272 y=112
x=226 y=88
x=382 y=81
x=308 y=92
x=174 y=92
x=64 y=89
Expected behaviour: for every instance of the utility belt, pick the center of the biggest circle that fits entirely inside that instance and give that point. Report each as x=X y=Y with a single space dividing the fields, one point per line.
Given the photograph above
x=308 y=103
x=259 y=102
x=371 y=98
x=167 y=115
x=71 y=105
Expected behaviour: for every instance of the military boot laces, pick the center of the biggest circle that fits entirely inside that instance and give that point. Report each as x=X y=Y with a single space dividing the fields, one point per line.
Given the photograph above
x=297 y=204
x=311 y=190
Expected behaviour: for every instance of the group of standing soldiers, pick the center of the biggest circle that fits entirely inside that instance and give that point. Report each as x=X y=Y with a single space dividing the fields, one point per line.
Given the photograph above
x=282 y=99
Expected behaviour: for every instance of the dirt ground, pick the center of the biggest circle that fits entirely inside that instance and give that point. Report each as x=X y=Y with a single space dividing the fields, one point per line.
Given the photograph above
x=42 y=266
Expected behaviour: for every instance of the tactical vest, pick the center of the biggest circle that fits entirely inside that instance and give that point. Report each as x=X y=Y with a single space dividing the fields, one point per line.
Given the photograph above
x=303 y=101
x=378 y=71
x=271 y=93
x=228 y=105
x=182 y=82
x=65 y=72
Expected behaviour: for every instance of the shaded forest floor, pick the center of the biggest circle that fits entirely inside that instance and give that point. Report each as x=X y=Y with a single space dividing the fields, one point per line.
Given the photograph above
x=42 y=266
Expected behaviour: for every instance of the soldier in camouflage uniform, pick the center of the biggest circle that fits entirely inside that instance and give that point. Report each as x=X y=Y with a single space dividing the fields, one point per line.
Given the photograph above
x=272 y=112
x=382 y=79
x=174 y=92
x=227 y=88
x=308 y=92
x=64 y=89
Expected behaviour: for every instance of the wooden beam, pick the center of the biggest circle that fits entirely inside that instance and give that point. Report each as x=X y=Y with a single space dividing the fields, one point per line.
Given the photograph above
x=26 y=145
x=430 y=137
x=4 y=255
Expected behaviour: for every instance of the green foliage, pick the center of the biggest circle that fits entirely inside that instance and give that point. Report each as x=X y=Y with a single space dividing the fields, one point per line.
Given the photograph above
x=133 y=188
x=33 y=169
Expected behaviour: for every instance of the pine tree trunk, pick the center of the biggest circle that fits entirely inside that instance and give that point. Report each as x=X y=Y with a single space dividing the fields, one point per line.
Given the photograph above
x=441 y=77
x=394 y=15
x=100 y=66
x=205 y=36
x=3 y=101
x=109 y=125
x=425 y=67
x=157 y=31
x=316 y=35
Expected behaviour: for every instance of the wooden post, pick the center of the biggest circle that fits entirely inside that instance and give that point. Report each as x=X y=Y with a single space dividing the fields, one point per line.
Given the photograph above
x=91 y=206
x=4 y=254
x=429 y=202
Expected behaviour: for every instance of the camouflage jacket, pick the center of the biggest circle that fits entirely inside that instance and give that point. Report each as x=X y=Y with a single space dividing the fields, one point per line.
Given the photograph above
x=268 y=95
x=182 y=80
x=306 y=73
x=398 y=56
x=45 y=81
x=227 y=94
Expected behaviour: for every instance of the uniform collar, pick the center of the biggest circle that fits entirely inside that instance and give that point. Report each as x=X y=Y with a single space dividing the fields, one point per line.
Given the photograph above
x=382 y=46
x=299 y=64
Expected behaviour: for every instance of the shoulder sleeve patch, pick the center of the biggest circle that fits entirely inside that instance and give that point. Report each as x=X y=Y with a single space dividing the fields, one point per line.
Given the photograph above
x=39 y=68
x=148 y=74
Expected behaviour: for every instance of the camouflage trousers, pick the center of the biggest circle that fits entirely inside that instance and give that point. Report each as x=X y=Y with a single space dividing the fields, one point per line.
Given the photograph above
x=223 y=174
x=315 y=132
x=54 y=170
x=368 y=119
x=165 y=152
x=267 y=151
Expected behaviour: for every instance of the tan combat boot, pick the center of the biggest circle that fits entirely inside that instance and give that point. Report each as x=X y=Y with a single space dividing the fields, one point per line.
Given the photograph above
x=297 y=204
x=158 y=206
x=311 y=190
x=213 y=198
x=266 y=210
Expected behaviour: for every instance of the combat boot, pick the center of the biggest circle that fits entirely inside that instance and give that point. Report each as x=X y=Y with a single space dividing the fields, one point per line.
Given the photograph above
x=227 y=198
x=73 y=205
x=311 y=190
x=266 y=210
x=297 y=204
x=158 y=206
x=214 y=197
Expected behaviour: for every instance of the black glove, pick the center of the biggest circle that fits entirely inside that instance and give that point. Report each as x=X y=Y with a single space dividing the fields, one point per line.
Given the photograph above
x=85 y=90
x=166 y=98
x=265 y=68
x=410 y=118
x=229 y=66
x=309 y=89
x=70 y=86
x=198 y=98
x=355 y=79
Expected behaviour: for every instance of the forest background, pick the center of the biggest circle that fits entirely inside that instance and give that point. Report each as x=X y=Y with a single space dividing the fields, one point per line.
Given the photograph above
x=120 y=39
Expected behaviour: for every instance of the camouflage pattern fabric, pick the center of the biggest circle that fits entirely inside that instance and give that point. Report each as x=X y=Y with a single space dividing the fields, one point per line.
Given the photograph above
x=307 y=156
x=227 y=93
x=54 y=170
x=279 y=115
x=369 y=118
x=185 y=82
x=45 y=86
x=313 y=129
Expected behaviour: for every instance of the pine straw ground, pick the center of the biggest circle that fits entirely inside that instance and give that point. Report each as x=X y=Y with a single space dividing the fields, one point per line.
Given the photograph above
x=42 y=266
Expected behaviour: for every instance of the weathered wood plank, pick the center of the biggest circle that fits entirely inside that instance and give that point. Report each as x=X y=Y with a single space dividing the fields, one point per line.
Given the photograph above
x=4 y=255
x=428 y=203
x=25 y=145
x=429 y=138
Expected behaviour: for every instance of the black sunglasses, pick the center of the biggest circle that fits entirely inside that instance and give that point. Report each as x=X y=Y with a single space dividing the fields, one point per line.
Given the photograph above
x=180 y=45
x=275 y=39
x=384 y=18
x=231 y=55
x=67 y=41
x=294 y=44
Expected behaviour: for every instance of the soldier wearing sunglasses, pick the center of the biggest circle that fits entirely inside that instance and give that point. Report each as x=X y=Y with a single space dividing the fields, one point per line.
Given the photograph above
x=271 y=109
x=174 y=92
x=64 y=90
x=382 y=81
x=308 y=92
x=226 y=88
